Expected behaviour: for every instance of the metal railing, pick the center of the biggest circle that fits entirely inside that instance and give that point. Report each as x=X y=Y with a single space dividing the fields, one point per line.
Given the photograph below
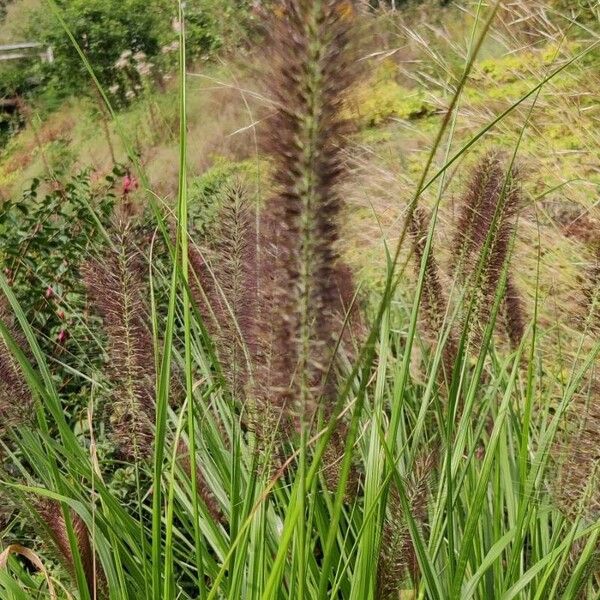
x=26 y=50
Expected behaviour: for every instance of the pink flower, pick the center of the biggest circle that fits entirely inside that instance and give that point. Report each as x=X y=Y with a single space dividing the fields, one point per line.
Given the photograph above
x=62 y=336
x=130 y=184
x=49 y=292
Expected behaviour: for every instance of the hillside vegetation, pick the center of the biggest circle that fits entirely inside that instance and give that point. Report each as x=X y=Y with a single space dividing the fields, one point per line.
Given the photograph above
x=300 y=300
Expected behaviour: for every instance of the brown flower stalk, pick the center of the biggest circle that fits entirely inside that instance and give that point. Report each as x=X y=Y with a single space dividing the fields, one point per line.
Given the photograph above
x=224 y=286
x=486 y=225
x=16 y=401
x=203 y=489
x=274 y=296
x=576 y=454
x=397 y=556
x=115 y=285
x=310 y=50
x=477 y=209
x=232 y=287
x=434 y=301
x=579 y=479
x=591 y=293
x=514 y=314
x=51 y=514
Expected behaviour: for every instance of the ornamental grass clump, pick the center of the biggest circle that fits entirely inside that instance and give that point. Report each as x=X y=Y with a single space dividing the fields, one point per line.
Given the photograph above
x=297 y=466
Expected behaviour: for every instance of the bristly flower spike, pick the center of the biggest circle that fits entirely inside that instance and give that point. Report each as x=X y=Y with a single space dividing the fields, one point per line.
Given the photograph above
x=115 y=284
x=313 y=69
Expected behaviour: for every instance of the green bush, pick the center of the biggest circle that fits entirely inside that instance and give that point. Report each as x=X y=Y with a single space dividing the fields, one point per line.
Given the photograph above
x=44 y=236
x=130 y=43
x=104 y=29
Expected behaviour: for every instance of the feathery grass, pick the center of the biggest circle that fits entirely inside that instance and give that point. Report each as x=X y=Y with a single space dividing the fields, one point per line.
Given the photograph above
x=298 y=466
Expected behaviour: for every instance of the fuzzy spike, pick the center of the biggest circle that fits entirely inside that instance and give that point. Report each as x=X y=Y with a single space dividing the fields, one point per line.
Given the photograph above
x=514 y=315
x=16 y=401
x=224 y=285
x=202 y=487
x=398 y=555
x=433 y=300
x=477 y=211
x=51 y=514
x=488 y=215
x=115 y=285
x=579 y=478
x=591 y=293
x=312 y=72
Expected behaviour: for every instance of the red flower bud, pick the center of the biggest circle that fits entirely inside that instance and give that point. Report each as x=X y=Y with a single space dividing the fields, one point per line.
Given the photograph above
x=130 y=184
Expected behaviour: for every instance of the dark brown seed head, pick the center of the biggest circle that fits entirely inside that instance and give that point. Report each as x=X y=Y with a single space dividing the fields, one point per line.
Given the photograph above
x=16 y=401
x=434 y=300
x=51 y=515
x=312 y=71
x=485 y=228
x=116 y=288
x=203 y=489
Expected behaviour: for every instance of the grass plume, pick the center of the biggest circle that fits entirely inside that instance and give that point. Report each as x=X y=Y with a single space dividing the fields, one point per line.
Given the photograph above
x=52 y=517
x=224 y=285
x=434 y=301
x=312 y=71
x=16 y=401
x=115 y=286
x=204 y=492
x=481 y=247
x=397 y=558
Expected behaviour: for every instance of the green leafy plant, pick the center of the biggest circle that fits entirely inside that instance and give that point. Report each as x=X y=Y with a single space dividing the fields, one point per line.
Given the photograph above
x=46 y=235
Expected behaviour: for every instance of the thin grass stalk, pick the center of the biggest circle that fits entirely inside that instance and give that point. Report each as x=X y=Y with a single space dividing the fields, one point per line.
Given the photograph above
x=162 y=401
x=183 y=236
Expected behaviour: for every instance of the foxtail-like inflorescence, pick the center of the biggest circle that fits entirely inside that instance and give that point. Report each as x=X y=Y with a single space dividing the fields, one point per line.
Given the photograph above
x=16 y=401
x=312 y=71
x=578 y=489
x=397 y=557
x=204 y=491
x=476 y=213
x=115 y=283
x=591 y=292
x=434 y=301
x=224 y=286
x=481 y=248
x=513 y=313
x=51 y=515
